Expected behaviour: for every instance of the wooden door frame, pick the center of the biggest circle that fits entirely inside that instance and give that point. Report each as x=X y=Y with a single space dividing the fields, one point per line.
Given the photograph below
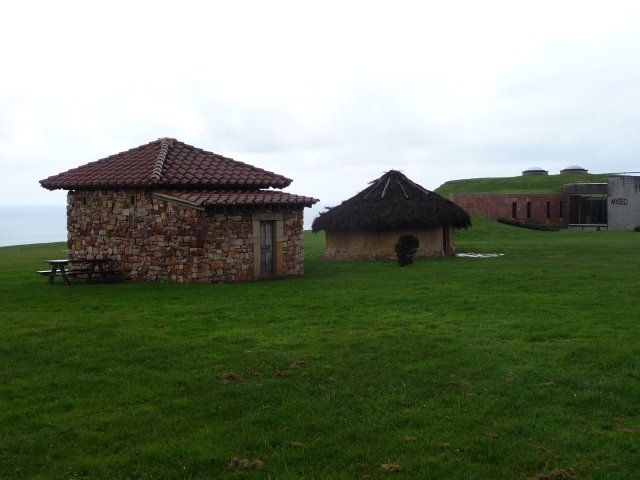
x=447 y=243
x=272 y=247
x=278 y=238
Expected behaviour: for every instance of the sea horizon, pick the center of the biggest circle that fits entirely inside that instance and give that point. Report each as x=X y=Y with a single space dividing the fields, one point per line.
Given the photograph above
x=28 y=224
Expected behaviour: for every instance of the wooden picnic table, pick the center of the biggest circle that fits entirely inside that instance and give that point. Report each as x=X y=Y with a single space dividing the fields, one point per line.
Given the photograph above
x=96 y=266
x=58 y=268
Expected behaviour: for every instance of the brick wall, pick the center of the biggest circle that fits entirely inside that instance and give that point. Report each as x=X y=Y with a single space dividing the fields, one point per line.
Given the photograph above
x=153 y=239
x=502 y=205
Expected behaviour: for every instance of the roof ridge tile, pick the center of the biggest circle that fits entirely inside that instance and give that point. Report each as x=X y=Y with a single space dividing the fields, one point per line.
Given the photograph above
x=165 y=144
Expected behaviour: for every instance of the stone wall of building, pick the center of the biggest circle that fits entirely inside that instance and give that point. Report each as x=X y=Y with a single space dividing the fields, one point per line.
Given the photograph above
x=536 y=207
x=149 y=238
x=293 y=243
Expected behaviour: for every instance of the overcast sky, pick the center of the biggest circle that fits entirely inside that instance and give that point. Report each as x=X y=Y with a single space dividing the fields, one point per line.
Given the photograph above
x=331 y=94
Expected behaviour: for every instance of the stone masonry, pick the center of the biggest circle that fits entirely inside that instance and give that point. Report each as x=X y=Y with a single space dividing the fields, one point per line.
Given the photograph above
x=149 y=238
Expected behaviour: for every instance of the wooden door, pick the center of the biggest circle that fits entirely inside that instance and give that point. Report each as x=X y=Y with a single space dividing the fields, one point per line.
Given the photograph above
x=266 y=249
x=446 y=240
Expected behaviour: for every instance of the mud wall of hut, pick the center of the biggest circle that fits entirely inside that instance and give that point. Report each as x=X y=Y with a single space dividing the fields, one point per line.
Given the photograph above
x=381 y=245
x=152 y=239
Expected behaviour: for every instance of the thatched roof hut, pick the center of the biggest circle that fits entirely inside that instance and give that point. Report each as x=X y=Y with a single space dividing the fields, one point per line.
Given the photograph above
x=368 y=224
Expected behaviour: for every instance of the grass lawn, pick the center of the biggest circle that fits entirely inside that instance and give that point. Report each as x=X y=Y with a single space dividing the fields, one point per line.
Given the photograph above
x=525 y=366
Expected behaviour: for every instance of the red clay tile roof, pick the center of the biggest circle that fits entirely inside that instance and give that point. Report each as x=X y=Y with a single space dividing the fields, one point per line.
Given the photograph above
x=166 y=163
x=205 y=198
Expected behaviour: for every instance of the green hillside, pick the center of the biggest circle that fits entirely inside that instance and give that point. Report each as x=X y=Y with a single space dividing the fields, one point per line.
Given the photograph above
x=520 y=184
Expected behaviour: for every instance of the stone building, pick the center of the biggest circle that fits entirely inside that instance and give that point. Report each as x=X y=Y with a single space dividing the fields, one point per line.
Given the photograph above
x=171 y=211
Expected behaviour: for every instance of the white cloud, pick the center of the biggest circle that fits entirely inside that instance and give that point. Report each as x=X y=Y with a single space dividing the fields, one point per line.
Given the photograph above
x=331 y=94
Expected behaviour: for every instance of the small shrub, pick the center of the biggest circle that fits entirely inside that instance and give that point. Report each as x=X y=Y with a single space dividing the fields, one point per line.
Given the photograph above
x=406 y=248
x=637 y=229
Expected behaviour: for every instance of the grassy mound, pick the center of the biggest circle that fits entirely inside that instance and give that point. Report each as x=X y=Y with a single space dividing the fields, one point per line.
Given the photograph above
x=526 y=184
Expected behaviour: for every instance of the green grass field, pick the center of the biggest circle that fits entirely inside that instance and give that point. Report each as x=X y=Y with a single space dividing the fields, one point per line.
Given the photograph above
x=525 y=366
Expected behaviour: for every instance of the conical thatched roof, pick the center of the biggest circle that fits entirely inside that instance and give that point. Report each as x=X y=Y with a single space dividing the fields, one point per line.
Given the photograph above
x=392 y=202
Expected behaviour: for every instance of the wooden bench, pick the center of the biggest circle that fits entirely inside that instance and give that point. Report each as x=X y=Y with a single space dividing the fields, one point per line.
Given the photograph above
x=108 y=276
x=94 y=268
x=79 y=271
x=70 y=273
